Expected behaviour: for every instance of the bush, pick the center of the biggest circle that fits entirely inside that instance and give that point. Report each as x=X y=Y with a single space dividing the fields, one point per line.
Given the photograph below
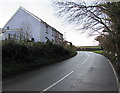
x=19 y=57
x=15 y=56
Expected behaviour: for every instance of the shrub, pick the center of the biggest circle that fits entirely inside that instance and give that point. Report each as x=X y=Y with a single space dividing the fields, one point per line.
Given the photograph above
x=15 y=56
x=23 y=56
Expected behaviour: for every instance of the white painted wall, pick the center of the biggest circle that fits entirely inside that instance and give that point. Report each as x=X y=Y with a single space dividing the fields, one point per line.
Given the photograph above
x=43 y=33
x=29 y=23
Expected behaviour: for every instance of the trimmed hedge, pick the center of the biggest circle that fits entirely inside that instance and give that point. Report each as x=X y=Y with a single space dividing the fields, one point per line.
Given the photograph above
x=19 y=57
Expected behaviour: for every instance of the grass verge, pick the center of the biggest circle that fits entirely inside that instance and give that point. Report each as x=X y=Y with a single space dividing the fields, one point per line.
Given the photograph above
x=99 y=51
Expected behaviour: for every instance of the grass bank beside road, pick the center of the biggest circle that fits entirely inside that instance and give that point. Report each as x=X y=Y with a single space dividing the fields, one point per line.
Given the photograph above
x=99 y=51
x=19 y=57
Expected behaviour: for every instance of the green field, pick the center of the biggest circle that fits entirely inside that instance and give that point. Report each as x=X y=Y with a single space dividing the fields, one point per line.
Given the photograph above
x=99 y=52
x=89 y=47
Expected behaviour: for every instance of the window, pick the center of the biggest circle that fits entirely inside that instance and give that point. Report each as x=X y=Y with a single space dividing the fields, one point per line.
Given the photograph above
x=53 y=32
x=59 y=36
x=46 y=39
x=7 y=27
x=9 y=35
x=47 y=29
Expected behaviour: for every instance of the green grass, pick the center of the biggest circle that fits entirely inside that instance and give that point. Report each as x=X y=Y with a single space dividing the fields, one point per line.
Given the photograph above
x=89 y=47
x=98 y=52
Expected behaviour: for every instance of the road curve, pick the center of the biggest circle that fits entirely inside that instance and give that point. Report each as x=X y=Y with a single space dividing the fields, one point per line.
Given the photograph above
x=86 y=71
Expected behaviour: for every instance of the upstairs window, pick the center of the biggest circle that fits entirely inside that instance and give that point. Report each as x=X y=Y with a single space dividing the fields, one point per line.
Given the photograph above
x=59 y=36
x=53 y=32
x=7 y=27
x=47 y=29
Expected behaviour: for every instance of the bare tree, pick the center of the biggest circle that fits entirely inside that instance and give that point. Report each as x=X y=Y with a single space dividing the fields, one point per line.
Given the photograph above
x=26 y=30
x=90 y=16
x=100 y=17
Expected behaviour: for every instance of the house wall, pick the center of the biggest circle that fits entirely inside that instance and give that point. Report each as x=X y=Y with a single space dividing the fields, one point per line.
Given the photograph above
x=25 y=21
x=58 y=37
x=6 y=34
x=44 y=35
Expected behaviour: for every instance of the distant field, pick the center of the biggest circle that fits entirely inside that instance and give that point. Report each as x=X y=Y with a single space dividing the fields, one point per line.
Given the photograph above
x=99 y=52
x=89 y=47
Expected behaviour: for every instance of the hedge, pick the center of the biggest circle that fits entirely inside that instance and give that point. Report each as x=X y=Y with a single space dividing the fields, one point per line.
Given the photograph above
x=18 y=57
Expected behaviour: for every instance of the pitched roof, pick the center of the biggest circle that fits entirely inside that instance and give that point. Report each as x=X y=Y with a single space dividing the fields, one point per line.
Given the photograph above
x=30 y=13
x=21 y=8
x=37 y=18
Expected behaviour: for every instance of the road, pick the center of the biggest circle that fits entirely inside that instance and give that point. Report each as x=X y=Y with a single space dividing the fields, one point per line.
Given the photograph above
x=86 y=71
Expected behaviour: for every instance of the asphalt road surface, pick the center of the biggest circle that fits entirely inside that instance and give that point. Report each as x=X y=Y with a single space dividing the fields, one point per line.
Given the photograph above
x=86 y=71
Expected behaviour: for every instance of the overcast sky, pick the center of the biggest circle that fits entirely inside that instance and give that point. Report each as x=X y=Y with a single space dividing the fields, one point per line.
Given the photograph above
x=44 y=10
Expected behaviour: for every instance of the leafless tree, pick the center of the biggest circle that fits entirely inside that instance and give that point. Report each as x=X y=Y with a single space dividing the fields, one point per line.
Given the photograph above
x=26 y=30
x=90 y=16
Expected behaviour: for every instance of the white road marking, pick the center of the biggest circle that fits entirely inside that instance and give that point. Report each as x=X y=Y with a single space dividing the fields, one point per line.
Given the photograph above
x=57 y=82
x=85 y=60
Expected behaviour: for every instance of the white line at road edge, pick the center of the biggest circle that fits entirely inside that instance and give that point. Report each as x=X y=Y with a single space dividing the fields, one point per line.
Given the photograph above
x=85 y=60
x=115 y=75
x=57 y=82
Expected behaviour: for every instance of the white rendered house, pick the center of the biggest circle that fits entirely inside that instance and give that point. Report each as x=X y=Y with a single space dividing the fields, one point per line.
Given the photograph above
x=24 y=24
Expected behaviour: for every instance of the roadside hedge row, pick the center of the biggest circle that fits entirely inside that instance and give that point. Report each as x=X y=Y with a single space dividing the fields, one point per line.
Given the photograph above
x=19 y=57
x=89 y=49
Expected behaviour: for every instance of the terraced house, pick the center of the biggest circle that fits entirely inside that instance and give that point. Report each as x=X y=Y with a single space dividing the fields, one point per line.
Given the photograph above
x=24 y=25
